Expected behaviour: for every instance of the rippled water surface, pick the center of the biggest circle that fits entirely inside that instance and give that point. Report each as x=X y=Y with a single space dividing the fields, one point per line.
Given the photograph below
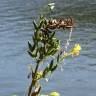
x=79 y=75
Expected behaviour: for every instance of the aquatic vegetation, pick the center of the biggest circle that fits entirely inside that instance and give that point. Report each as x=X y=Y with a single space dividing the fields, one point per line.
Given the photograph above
x=44 y=46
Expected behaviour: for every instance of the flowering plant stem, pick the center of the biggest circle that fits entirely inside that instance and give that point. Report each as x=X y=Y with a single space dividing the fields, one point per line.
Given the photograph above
x=43 y=46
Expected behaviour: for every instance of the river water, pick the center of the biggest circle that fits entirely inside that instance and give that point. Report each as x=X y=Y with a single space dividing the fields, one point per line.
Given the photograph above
x=79 y=74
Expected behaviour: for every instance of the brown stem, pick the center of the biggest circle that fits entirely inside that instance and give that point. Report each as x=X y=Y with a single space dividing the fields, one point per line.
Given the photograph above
x=36 y=69
x=30 y=88
x=33 y=82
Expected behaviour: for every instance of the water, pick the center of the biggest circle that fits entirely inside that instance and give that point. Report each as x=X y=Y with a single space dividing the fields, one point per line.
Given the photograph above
x=79 y=75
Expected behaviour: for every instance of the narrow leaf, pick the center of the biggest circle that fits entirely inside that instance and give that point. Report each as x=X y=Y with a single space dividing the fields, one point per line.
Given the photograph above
x=46 y=70
x=50 y=51
x=35 y=25
x=41 y=24
x=31 y=48
x=51 y=64
x=54 y=68
x=58 y=57
x=32 y=55
x=54 y=52
x=52 y=35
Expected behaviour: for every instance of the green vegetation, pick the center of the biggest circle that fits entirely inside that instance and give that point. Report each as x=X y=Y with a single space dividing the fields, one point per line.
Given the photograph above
x=43 y=47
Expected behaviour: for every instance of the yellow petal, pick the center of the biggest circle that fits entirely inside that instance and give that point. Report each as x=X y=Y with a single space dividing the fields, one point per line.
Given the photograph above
x=75 y=53
x=54 y=94
x=75 y=50
x=77 y=47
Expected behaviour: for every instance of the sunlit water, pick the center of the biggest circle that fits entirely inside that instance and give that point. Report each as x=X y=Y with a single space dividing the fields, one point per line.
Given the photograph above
x=79 y=74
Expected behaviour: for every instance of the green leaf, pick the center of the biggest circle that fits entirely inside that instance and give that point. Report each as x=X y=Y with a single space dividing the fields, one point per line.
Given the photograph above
x=41 y=17
x=41 y=24
x=35 y=40
x=46 y=70
x=52 y=35
x=50 y=52
x=58 y=57
x=31 y=48
x=54 y=68
x=54 y=52
x=41 y=56
x=32 y=55
x=41 y=52
x=45 y=21
x=51 y=64
x=35 y=25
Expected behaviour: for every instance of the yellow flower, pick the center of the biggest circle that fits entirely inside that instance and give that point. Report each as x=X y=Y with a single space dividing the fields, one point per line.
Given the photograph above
x=39 y=75
x=54 y=94
x=76 y=50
